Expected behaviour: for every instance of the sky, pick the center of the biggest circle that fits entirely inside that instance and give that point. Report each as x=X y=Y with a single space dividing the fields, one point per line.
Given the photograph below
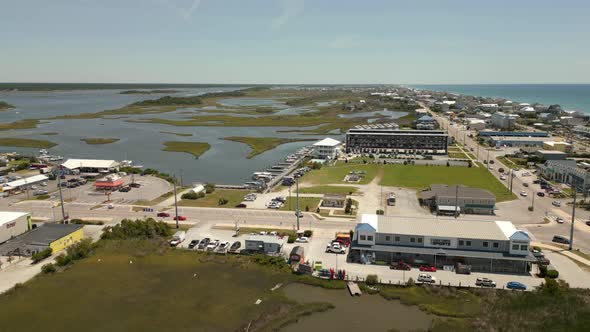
x=295 y=41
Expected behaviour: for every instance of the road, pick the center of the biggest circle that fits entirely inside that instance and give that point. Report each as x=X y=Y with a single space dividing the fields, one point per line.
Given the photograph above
x=517 y=210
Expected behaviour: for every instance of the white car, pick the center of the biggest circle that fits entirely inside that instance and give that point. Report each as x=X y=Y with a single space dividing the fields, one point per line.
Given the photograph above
x=491 y=167
x=559 y=220
x=502 y=177
x=43 y=184
x=273 y=233
x=302 y=239
x=212 y=245
x=263 y=233
x=425 y=277
x=556 y=203
x=523 y=194
x=223 y=246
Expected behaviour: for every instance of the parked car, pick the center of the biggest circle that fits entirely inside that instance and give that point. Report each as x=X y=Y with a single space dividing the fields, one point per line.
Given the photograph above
x=523 y=193
x=212 y=245
x=163 y=215
x=235 y=246
x=43 y=184
x=181 y=218
x=299 y=214
x=134 y=185
x=336 y=248
x=40 y=192
x=559 y=220
x=427 y=268
x=525 y=184
x=193 y=244
x=241 y=206
x=400 y=266
x=110 y=206
x=502 y=177
x=223 y=246
x=556 y=203
x=588 y=223
x=302 y=239
x=541 y=194
x=561 y=239
x=203 y=244
x=485 y=282
x=515 y=285
x=177 y=238
x=125 y=189
x=424 y=277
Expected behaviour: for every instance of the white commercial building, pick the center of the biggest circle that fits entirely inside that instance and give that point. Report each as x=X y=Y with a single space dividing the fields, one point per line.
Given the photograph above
x=326 y=148
x=13 y=224
x=20 y=183
x=503 y=121
x=91 y=165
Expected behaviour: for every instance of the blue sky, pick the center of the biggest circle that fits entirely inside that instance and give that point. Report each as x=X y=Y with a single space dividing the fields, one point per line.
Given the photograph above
x=295 y=41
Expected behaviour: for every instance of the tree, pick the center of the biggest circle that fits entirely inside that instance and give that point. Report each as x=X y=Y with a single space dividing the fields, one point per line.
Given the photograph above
x=48 y=268
x=372 y=279
x=222 y=201
x=448 y=164
x=348 y=207
x=209 y=187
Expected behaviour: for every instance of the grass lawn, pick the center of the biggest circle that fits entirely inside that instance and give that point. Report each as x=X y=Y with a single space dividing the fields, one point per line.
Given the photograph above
x=336 y=174
x=248 y=230
x=194 y=148
x=457 y=155
x=291 y=203
x=420 y=177
x=513 y=162
x=234 y=198
x=156 y=200
x=259 y=145
x=99 y=141
x=26 y=143
x=328 y=190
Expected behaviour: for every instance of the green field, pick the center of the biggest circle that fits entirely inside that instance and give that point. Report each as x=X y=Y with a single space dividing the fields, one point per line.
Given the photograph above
x=20 y=124
x=310 y=202
x=336 y=174
x=194 y=148
x=420 y=177
x=328 y=190
x=234 y=198
x=259 y=145
x=26 y=143
x=99 y=141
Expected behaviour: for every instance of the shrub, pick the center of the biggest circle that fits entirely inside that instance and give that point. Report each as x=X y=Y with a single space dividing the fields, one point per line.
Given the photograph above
x=63 y=260
x=531 y=208
x=48 y=268
x=191 y=195
x=307 y=208
x=86 y=222
x=307 y=233
x=209 y=187
x=542 y=271
x=41 y=255
x=553 y=274
x=136 y=229
x=291 y=239
x=348 y=207
x=380 y=212
x=410 y=282
x=372 y=279
x=222 y=201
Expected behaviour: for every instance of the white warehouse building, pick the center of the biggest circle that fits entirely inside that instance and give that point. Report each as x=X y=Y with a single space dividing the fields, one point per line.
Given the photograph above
x=13 y=224
x=327 y=148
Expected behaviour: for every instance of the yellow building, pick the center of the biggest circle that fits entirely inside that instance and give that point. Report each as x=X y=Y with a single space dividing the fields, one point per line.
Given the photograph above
x=54 y=236
x=558 y=146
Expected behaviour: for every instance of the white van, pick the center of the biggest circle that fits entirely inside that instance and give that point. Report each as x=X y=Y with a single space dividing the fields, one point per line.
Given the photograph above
x=424 y=277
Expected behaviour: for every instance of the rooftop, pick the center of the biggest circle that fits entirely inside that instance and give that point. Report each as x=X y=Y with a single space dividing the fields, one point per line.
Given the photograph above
x=41 y=236
x=441 y=227
x=328 y=142
x=89 y=163
x=265 y=238
x=6 y=216
x=30 y=180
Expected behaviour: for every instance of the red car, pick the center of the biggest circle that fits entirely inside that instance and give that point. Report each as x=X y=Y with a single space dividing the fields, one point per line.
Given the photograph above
x=163 y=215
x=181 y=218
x=400 y=266
x=427 y=268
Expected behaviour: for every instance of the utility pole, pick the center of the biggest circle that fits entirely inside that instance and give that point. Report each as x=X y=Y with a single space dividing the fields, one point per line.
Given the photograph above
x=181 y=184
x=175 y=203
x=297 y=202
x=488 y=159
x=61 y=196
x=533 y=203
x=456 y=199
x=575 y=193
x=511 y=179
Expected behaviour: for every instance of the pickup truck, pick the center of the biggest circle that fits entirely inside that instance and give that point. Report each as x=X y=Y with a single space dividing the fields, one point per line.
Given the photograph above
x=177 y=238
x=335 y=248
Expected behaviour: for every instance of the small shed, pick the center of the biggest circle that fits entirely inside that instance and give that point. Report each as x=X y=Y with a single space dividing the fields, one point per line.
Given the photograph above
x=334 y=200
x=198 y=188
x=264 y=244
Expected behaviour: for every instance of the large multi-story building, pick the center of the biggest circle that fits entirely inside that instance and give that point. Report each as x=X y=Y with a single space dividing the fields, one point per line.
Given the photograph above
x=566 y=171
x=326 y=148
x=485 y=246
x=371 y=139
x=503 y=121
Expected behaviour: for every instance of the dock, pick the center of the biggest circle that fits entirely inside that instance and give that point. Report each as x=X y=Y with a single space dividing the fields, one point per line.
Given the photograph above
x=353 y=288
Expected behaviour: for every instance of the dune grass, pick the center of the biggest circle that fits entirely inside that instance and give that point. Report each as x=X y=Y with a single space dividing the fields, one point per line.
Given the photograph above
x=20 y=124
x=194 y=148
x=4 y=106
x=262 y=144
x=99 y=141
x=234 y=197
x=26 y=143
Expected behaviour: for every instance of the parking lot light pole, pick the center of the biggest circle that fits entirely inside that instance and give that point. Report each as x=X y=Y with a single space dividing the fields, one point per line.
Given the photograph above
x=297 y=202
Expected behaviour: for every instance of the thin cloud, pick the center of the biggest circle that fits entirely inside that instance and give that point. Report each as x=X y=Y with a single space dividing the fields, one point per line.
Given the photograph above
x=184 y=9
x=344 y=42
x=290 y=9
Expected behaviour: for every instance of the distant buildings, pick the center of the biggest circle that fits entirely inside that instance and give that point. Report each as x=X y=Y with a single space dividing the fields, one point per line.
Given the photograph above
x=373 y=139
x=54 y=236
x=326 y=148
x=443 y=199
x=485 y=246
x=95 y=166
x=566 y=171
x=582 y=130
x=550 y=155
x=503 y=120
x=558 y=146
x=426 y=122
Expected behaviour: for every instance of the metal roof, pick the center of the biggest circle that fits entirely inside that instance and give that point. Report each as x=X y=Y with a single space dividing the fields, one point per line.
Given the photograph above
x=30 y=180
x=41 y=236
x=89 y=163
x=443 y=190
x=265 y=238
x=328 y=142
x=6 y=216
x=442 y=227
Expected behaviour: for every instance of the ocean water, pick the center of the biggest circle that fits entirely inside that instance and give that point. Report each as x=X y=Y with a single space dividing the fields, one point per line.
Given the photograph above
x=569 y=96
